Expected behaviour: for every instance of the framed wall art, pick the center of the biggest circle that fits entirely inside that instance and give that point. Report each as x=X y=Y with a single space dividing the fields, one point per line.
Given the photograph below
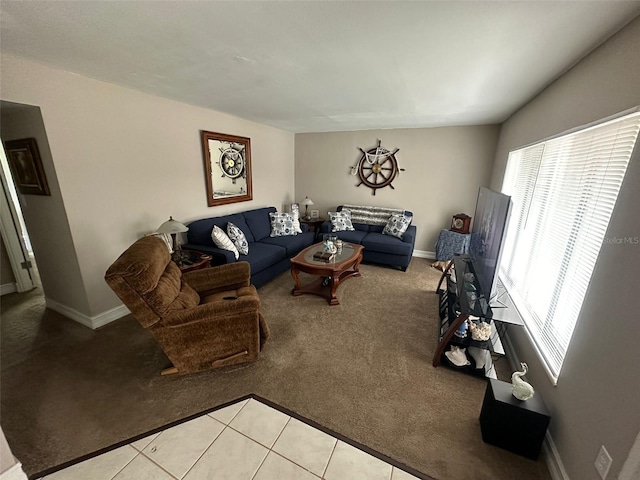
x=227 y=164
x=26 y=166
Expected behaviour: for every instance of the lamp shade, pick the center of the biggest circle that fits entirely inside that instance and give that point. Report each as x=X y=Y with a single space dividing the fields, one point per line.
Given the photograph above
x=307 y=201
x=172 y=226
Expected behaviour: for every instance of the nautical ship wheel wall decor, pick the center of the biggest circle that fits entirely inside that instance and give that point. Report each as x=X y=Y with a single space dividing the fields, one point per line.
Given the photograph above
x=232 y=161
x=377 y=168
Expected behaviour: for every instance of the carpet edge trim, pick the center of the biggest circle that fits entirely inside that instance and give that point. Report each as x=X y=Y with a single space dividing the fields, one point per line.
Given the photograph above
x=269 y=403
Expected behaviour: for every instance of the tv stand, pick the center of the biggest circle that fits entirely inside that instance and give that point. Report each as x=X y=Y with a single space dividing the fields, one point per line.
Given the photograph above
x=460 y=297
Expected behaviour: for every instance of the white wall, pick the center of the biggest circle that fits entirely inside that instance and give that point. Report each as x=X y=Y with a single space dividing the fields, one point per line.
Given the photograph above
x=126 y=160
x=45 y=216
x=444 y=167
x=598 y=392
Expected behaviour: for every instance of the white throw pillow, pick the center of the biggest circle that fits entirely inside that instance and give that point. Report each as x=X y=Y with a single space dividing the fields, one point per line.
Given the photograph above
x=341 y=221
x=282 y=225
x=295 y=211
x=238 y=238
x=223 y=241
x=397 y=225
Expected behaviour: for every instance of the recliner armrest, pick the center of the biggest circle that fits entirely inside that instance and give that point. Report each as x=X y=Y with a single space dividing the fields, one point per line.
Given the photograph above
x=208 y=312
x=223 y=277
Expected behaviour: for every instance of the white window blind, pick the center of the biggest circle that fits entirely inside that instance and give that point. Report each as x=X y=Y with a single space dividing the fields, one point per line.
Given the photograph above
x=563 y=191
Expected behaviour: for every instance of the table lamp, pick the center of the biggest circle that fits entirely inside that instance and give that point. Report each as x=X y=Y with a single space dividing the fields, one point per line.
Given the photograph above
x=306 y=202
x=173 y=227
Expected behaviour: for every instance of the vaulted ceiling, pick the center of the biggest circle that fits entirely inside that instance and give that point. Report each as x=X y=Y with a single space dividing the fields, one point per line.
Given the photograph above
x=320 y=65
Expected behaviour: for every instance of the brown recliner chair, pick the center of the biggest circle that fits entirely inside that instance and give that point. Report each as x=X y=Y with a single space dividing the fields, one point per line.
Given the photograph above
x=202 y=319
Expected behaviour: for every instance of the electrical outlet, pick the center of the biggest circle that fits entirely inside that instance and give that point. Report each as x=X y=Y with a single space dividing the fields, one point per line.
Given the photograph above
x=603 y=462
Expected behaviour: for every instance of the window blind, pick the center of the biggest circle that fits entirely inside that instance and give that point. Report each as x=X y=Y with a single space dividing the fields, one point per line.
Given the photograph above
x=563 y=191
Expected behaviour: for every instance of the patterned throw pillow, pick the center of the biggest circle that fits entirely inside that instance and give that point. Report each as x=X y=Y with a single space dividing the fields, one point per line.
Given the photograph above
x=222 y=241
x=282 y=225
x=237 y=237
x=295 y=211
x=340 y=221
x=397 y=225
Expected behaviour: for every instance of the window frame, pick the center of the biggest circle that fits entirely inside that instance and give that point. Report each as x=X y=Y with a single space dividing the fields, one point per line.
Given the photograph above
x=537 y=335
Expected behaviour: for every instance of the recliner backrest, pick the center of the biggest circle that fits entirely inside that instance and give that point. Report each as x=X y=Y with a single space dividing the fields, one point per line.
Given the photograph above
x=149 y=283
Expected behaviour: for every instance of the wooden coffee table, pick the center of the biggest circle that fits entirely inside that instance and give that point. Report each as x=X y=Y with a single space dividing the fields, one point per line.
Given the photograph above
x=331 y=274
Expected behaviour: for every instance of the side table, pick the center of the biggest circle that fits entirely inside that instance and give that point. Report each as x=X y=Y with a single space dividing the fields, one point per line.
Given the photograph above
x=451 y=243
x=515 y=425
x=194 y=260
x=313 y=223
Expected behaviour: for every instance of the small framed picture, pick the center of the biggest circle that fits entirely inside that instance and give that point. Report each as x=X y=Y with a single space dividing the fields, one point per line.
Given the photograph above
x=26 y=166
x=315 y=213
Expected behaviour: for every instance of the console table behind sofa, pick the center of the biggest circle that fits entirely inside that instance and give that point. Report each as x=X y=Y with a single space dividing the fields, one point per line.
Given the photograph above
x=378 y=248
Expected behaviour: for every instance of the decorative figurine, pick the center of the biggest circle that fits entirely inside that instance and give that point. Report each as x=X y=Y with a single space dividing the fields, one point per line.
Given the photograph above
x=457 y=356
x=519 y=388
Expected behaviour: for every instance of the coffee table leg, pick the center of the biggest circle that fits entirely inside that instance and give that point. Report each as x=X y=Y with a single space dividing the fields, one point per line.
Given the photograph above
x=296 y=278
x=356 y=266
x=333 y=300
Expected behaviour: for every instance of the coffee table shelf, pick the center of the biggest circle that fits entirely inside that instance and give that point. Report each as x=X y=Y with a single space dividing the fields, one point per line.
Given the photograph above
x=330 y=274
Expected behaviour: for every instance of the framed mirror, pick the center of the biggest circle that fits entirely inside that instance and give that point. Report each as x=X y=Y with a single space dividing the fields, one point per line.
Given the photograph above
x=227 y=165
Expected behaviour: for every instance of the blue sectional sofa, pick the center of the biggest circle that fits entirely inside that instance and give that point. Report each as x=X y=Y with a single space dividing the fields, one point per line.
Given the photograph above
x=378 y=248
x=268 y=256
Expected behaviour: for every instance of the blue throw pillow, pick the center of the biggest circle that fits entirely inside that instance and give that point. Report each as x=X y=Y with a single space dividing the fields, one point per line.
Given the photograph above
x=397 y=225
x=237 y=237
x=341 y=221
x=282 y=225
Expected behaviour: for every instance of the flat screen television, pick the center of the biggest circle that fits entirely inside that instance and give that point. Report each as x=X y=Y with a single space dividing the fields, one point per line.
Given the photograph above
x=487 y=235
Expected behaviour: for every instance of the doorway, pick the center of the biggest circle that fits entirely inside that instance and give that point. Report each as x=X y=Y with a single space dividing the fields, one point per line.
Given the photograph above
x=15 y=238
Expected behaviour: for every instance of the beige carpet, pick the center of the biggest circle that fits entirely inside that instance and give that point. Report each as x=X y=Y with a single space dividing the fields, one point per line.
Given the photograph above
x=362 y=369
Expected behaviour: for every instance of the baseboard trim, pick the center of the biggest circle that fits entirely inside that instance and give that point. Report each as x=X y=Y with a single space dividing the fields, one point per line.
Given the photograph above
x=94 y=322
x=424 y=254
x=552 y=457
x=6 y=288
x=549 y=450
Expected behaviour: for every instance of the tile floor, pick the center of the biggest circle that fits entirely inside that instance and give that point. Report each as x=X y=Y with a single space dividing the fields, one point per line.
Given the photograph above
x=247 y=440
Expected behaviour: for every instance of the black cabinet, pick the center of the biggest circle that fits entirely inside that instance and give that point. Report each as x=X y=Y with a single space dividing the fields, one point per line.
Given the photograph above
x=515 y=425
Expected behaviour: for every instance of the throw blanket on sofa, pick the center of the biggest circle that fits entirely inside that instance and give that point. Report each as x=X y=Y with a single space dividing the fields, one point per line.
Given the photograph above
x=371 y=215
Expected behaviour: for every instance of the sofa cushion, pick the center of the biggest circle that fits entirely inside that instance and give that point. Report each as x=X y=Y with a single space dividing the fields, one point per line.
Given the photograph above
x=200 y=230
x=262 y=255
x=378 y=242
x=363 y=227
x=258 y=222
x=354 y=236
x=293 y=244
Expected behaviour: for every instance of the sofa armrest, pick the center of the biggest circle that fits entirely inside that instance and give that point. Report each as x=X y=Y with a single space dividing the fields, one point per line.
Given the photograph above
x=223 y=277
x=325 y=227
x=410 y=235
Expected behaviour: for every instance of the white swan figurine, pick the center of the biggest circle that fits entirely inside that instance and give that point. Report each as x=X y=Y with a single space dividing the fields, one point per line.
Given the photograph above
x=519 y=388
